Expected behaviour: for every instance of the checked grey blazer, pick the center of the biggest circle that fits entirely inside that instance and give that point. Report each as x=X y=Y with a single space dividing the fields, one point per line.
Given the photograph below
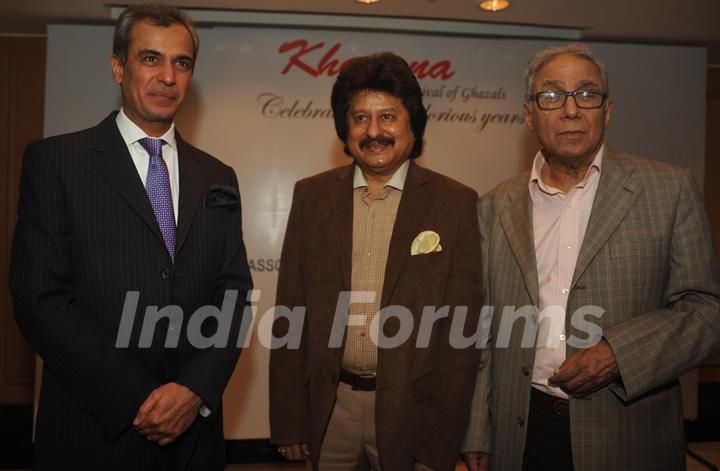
x=647 y=260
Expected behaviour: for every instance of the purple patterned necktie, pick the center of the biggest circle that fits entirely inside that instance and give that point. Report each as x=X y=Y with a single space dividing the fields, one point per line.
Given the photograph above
x=158 y=190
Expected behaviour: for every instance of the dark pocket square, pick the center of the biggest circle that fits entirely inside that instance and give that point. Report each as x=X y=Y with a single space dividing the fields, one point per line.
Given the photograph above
x=220 y=196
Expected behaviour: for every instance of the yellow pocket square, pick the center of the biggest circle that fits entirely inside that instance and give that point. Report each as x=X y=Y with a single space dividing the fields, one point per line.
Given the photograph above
x=426 y=242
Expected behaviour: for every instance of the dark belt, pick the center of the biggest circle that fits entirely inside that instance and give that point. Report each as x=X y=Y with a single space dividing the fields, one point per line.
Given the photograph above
x=358 y=382
x=557 y=405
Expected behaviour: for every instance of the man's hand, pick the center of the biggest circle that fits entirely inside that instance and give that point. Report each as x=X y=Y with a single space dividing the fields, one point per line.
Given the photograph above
x=587 y=370
x=476 y=461
x=295 y=452
x=167 y=412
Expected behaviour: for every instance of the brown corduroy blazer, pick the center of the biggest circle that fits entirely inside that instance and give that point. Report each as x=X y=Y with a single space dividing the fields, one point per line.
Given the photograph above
x=423 y=394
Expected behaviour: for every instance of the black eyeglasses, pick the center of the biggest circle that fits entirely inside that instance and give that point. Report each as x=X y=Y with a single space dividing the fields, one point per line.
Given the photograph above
x=585 y=99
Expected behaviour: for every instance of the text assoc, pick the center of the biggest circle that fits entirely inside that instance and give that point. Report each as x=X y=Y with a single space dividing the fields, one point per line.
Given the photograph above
x=264 y=264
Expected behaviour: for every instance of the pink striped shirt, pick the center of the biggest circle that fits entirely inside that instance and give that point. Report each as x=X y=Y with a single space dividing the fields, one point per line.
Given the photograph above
x=559 y=223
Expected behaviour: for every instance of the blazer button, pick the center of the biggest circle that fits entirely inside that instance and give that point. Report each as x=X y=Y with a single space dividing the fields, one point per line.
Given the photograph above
x=165 y=274
x=520 y=421
x=526 y=371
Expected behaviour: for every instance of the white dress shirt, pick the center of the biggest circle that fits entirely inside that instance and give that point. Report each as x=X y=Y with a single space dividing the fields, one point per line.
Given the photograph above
x=131 y=134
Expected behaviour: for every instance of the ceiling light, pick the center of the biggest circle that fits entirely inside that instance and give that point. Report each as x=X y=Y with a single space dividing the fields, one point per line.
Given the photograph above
x=367 y=1
x=493 y=5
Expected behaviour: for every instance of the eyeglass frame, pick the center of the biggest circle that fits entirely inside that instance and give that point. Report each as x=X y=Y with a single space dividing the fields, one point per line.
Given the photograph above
x=536 y=98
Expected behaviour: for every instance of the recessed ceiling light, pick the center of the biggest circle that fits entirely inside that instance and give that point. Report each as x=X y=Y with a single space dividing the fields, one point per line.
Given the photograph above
x=367 y=1
x=494 y=5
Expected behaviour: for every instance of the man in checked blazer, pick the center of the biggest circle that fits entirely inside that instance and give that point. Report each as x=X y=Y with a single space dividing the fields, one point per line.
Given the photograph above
x=613 y=255
x=406 y=235
x=113 y=222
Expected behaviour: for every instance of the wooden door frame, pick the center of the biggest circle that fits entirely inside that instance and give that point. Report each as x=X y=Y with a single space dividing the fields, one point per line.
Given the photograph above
x=22 y=96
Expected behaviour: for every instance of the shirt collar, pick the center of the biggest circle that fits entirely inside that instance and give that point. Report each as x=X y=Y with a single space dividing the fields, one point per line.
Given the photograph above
x=397 y=181
x=131 y=132
x=539 y=162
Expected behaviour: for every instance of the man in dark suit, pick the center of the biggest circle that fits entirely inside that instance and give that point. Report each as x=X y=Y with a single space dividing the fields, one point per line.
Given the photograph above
x=401 y=238
x=125 y=229
x=613 y=256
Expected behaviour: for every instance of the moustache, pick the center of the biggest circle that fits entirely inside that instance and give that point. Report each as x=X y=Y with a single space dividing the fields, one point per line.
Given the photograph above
x=380 y=140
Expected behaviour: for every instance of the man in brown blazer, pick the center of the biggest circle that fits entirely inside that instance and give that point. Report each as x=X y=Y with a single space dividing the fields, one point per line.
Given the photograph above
x=366 y=390
x=613 y=255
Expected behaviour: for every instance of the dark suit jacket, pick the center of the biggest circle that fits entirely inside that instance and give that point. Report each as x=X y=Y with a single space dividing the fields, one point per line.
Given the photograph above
x=423 y=394
x=87 y=235
x=647 y=260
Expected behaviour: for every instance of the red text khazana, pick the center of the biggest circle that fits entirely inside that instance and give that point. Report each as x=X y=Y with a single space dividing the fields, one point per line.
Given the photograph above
x=303 y=58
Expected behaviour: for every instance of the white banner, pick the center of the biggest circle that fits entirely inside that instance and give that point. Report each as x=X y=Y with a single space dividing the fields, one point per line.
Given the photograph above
x=260 y=101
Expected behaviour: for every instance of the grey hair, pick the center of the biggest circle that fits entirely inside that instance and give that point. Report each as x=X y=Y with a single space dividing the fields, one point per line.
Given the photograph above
x=539 y=59
x=155 y=14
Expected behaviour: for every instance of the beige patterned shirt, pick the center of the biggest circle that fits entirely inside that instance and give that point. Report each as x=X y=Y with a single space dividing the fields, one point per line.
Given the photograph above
x=373 y=222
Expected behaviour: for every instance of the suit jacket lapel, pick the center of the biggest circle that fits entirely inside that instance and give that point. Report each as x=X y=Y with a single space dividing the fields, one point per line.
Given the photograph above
x=112 y=160
x=341 y=198
x=192 y=182
x=617 y=192
x=413 y=204
x=517 y=222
